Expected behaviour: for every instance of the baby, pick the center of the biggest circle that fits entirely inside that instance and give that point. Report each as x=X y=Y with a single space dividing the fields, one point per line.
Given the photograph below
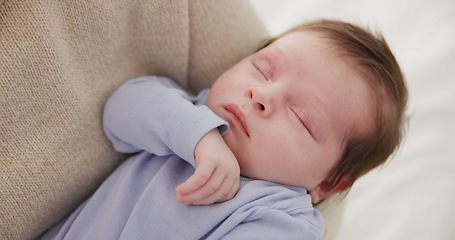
x=286 y=127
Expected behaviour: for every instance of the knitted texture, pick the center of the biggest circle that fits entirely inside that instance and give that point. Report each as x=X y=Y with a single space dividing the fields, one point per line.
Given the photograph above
x=61 y=59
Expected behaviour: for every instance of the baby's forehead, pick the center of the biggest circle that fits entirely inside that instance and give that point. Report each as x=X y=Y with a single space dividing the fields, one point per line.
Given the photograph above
x=306 y=40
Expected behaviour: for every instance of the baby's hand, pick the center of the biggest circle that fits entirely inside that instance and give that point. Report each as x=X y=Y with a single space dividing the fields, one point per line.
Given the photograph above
x=217 y=174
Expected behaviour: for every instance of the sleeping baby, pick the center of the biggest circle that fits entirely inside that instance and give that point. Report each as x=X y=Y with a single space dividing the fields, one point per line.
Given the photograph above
x=297 y=121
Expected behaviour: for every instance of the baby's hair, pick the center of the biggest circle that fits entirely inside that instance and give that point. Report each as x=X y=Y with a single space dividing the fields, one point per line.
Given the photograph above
x=375 y=61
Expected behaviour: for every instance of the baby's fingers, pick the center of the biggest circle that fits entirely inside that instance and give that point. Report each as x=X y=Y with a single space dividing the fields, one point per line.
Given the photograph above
x=211 y=187
x=226 y=192
x=201 y=175
x=217 y=189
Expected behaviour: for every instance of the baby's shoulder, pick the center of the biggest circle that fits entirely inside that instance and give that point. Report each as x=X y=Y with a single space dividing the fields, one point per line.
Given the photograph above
x=266 y=193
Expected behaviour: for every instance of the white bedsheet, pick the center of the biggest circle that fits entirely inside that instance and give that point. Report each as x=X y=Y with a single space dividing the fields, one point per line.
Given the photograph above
x=412 y=196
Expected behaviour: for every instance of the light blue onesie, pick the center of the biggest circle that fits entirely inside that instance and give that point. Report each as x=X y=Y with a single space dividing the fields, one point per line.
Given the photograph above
x=157 y=121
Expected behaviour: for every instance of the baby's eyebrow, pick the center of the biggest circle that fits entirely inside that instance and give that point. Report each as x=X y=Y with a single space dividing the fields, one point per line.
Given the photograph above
x=268 y=54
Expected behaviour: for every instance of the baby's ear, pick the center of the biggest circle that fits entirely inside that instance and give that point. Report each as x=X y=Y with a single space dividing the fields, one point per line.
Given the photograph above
x=323 y=190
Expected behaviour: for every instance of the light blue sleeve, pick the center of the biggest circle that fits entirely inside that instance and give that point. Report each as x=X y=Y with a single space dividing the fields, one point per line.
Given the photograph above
x=154 y=114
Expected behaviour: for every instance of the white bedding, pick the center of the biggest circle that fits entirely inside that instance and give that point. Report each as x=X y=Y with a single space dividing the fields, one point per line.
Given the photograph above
x=412 y=196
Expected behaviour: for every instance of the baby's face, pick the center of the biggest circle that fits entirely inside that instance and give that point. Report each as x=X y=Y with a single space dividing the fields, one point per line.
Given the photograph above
x=291 y=108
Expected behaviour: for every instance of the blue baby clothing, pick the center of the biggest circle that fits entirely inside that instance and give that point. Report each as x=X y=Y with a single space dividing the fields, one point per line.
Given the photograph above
x=161 y=124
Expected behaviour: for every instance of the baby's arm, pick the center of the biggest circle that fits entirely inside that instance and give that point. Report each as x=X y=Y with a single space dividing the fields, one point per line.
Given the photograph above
x=155 y=115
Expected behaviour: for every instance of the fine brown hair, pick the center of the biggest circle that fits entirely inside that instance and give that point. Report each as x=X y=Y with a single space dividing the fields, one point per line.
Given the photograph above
x=374 y=60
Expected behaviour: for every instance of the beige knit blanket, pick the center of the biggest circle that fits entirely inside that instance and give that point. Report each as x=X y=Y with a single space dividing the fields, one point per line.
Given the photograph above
x=61 y=59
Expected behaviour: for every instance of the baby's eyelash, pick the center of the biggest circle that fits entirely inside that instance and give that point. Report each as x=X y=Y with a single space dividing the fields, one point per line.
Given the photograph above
x=300 y=118
x=261 y=72
x=264 y=68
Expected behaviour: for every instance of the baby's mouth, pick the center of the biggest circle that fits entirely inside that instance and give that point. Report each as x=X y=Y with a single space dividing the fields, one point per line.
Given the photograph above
x=238 y=116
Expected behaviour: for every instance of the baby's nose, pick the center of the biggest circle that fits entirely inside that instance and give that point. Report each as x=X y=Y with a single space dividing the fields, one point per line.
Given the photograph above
x=261 y=101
